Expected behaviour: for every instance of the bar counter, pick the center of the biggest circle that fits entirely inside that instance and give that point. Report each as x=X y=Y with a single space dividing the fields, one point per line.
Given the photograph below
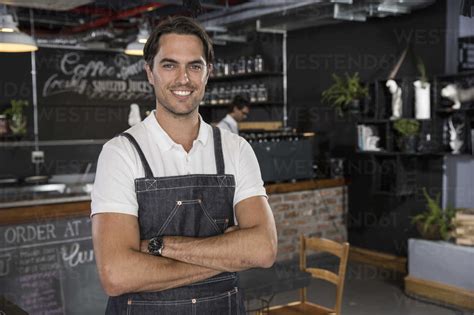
x=22 y=212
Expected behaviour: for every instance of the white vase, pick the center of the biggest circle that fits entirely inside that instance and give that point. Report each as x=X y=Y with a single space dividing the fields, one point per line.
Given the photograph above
x=422 y=100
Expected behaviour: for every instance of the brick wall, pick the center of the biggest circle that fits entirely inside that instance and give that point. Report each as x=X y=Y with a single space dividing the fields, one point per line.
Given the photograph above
x=320 y=213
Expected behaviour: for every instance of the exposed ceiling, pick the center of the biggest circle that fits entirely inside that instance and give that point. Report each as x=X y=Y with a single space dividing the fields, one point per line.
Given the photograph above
x=114 y=23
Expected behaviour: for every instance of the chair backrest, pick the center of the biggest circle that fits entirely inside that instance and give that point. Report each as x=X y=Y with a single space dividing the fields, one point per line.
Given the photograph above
x=340 y=250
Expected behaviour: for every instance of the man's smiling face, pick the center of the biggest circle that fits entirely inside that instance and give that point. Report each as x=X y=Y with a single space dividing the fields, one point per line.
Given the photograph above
x=180 y=72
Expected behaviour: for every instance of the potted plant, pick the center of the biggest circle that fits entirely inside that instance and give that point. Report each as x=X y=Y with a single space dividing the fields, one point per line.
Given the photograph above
x=435 y=223
x=16 y=118
x=345 y=93
x=422 y=92
x=407 y=130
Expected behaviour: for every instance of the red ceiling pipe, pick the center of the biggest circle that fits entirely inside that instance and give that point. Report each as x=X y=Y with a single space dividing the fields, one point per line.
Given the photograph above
x=119 y=15
x=91 y=10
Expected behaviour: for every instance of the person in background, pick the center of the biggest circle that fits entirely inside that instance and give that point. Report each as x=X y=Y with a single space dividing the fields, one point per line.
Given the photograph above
x=178 y=207
x=238 y=111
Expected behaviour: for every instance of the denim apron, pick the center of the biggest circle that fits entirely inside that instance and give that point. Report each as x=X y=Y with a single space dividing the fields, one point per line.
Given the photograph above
x=197 y=205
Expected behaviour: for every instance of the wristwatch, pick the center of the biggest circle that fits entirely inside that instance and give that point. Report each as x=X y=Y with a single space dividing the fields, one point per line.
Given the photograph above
x=155 y=246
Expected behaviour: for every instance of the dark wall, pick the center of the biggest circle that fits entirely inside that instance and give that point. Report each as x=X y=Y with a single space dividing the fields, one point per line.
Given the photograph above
x=81 y=95
x=370 y=48
x=379 y=222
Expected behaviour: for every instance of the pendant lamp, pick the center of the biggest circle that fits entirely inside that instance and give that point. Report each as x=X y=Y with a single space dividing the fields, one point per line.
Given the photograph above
x=11 y=39
x=135 y=48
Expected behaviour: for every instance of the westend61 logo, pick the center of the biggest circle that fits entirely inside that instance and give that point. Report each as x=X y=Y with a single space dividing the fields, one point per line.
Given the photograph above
x=98 y=79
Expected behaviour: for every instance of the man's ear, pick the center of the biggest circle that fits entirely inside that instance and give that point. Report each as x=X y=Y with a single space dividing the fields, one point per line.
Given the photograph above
x=149 y=74
x=210 y=68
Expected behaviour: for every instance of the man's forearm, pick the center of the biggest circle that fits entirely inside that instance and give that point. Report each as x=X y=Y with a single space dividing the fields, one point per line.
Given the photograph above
x=235 y=251
x=153 y=273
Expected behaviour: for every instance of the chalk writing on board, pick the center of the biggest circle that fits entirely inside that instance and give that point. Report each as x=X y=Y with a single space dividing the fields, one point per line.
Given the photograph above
x=72 y=255
x=98 y=79
x=5 y=264
x=49 y=267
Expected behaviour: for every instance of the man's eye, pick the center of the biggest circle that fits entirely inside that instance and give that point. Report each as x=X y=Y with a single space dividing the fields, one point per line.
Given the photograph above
x=196 y=67
x=168 y=66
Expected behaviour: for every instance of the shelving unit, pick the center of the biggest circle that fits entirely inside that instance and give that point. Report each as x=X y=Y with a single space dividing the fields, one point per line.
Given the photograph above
x=395 y=171
x=271 y=48
x=244 y=76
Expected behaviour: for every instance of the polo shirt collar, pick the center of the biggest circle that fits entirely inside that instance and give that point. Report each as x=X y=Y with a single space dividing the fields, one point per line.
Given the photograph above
x=163 y=140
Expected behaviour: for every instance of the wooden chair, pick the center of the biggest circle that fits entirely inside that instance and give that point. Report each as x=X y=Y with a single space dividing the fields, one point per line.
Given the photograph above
x=303 y=306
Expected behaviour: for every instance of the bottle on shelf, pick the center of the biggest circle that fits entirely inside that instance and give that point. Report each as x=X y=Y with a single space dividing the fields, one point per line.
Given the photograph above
x=253 y=93
x=250 y=68
x=258 y=63
x=241 y=65
x=227 y=95
x=234 y=67
x=226 y=68
x=245 y=92
x=221 y=96
x=214 y=96
x=218 y=68
x=262 y=94
x=238 y=90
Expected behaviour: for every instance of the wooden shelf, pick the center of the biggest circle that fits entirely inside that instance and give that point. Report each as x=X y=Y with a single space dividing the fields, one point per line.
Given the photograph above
x=245 y=76
x=305 y=185
x=251 y=104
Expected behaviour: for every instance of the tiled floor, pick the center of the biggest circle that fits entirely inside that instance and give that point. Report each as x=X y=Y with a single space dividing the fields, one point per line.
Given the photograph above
x=369 y=290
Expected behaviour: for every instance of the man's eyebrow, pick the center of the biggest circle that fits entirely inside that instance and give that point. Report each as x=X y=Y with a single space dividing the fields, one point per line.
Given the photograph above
x=197 y=61
x=168 y=60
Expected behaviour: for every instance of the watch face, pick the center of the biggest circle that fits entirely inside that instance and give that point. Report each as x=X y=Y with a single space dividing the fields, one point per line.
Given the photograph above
x=155 y=246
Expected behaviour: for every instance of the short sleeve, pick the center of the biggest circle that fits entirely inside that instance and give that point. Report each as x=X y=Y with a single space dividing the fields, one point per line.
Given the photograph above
x=114 y=188
x=249 y=181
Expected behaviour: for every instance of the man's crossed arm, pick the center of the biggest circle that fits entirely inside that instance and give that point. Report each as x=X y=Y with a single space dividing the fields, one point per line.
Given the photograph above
x=124 y=268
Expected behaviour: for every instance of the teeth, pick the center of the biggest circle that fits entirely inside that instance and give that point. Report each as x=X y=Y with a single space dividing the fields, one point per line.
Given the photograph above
x=182 y=93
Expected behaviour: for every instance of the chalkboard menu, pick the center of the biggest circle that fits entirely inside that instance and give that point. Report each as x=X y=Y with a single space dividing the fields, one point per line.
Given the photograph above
x=87 y=77
x=49 y=268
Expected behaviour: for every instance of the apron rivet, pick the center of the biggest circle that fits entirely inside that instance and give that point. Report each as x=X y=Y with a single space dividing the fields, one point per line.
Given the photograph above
x=199 y=200
x=179 y=202
x=193 y=301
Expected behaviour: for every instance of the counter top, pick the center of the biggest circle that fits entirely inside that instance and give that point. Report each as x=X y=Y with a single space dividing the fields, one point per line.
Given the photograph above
x=34 y=210
x=305 y=185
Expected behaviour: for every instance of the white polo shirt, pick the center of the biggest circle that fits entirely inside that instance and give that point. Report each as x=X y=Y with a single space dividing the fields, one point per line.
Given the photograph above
x=119 y=164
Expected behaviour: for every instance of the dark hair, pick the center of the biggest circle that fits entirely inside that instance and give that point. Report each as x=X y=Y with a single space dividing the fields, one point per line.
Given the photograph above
x=178 y=25
x=238 y=101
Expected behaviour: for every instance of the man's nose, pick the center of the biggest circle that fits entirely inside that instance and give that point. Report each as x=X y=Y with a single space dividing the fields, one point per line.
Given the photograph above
x=183 y=77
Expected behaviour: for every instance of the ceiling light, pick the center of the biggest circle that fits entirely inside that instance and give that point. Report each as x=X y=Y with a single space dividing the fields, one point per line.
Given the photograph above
x=11 y=39
x=135 y=48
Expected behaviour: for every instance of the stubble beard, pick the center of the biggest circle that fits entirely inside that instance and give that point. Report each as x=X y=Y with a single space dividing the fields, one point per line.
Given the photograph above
x=168 y=108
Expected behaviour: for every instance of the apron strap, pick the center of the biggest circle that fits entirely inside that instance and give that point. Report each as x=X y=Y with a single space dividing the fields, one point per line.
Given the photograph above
x=148 y=172
x=220 y=167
